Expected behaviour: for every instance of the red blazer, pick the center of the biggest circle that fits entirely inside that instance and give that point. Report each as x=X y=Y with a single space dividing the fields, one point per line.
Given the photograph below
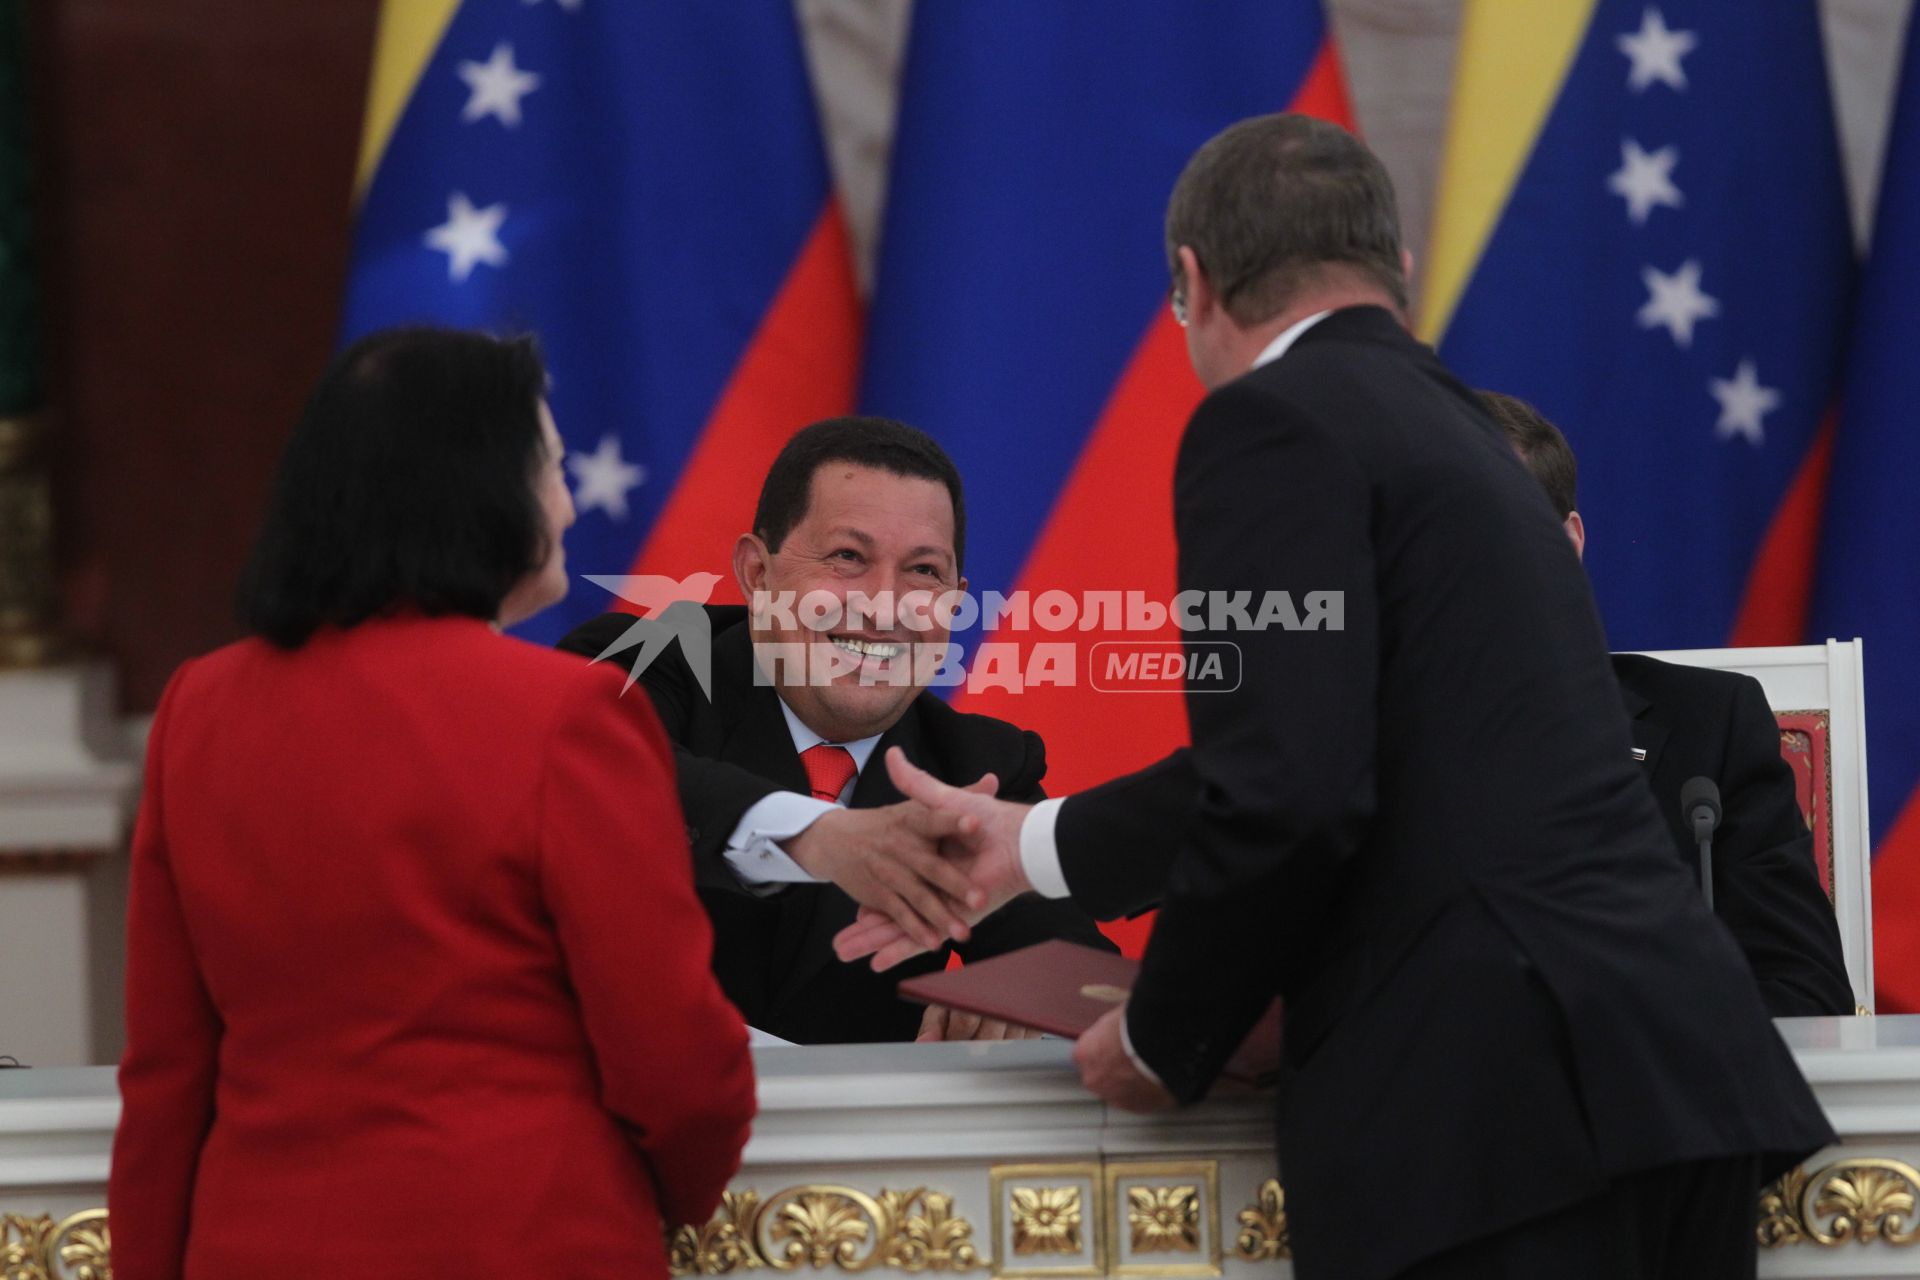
x=417 y=981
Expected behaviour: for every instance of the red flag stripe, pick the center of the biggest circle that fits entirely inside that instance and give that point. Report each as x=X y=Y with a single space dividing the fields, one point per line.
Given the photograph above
x=1779 y=591
x=1111 y=530
x=1896 y=914
x=1324 y=92
x=801 y=366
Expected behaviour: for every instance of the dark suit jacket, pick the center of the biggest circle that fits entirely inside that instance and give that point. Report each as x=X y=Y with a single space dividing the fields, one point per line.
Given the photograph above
x=774 y=954
x=1427 y=836
x=1691 y=723
x=1117 y=840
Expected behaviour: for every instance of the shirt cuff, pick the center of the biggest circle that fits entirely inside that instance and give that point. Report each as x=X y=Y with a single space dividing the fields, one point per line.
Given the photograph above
x=1039 y=855
x=753 y=850
x=1139 y=1063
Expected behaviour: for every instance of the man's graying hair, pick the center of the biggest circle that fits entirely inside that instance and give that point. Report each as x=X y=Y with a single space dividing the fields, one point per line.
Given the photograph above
x=1268 y=204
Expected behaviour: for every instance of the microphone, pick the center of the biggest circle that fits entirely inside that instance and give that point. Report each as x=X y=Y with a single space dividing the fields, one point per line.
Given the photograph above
x=1700 y=810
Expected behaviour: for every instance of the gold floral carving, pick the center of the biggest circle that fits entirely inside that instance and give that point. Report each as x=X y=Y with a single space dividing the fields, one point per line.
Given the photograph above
x=1050 y=1220
x=1780 y=1222
x=933 y=1240
x=75 y=1248
x=1858 y=1201
x=1159 y=1207
x=1046 y=1220
x=723 y=1245
x=1164 y=1219
x=1868 y=1201
x=822 y=1227
x=1263 y=1226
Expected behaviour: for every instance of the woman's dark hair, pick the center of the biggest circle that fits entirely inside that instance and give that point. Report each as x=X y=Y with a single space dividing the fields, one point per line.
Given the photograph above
x=408 y=484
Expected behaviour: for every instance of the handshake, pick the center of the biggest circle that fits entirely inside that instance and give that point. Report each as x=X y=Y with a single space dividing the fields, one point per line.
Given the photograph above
x=930 y=868
x=923 y=871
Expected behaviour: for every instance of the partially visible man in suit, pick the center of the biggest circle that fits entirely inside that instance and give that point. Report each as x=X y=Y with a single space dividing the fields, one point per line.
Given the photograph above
x=1422 y=830
x=1692 y=722
x=791 y=818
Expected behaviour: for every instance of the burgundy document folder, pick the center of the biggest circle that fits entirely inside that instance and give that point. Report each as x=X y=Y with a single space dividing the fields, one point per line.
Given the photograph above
x=1063 y=988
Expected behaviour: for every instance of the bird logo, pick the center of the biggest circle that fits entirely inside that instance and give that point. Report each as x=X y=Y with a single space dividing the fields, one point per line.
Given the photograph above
x=672 y=609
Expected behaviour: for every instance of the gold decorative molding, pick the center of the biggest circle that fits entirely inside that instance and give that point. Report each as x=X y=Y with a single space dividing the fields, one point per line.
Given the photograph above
x=1850 y=1201
x=1166 y=1207
x=1164 y=1219
x=38 y=860
x=723 y=1245
x=78 y=1247
x=1263 y=1226
x=1048 y=1220
x=28 y=637
x=822 y=1227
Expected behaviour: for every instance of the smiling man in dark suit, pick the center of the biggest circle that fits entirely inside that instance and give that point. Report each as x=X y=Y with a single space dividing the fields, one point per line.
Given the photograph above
x=1423 y=830
x=1691 y=722
x=792 y=817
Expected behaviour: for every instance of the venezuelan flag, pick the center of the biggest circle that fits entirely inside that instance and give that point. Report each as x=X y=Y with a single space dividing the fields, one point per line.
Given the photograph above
x=1642 y=228
x=645 y=187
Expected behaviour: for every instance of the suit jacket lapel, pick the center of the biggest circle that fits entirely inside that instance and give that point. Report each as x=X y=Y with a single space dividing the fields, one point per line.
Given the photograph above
x=1649 y=736
x=755 y=733
x=874 y=787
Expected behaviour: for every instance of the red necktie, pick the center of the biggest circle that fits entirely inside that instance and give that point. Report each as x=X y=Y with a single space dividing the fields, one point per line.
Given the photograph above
x=828 y=768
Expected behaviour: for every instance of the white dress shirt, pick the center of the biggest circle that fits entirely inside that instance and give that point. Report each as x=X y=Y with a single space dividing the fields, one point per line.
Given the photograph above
x=753 y=850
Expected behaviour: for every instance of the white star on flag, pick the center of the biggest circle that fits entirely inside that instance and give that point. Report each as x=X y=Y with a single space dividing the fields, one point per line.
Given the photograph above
x=497 y=85
x=1656 y=52
x=604 y=477
x=568 y=5
x=1742 y=403
x=1645 y=179
x=1676 y=301
x=468 y=236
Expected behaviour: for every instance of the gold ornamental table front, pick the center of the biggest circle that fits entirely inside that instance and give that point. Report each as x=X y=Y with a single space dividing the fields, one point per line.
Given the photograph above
x=990 y=1161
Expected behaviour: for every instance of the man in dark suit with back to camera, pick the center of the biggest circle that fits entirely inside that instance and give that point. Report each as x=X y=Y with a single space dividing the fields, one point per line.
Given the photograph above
x=1424 y=830
x=1692 y=722
x=791 y=816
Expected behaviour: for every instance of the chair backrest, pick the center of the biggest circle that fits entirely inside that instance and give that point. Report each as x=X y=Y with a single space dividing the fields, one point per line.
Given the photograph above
x=1816 y=695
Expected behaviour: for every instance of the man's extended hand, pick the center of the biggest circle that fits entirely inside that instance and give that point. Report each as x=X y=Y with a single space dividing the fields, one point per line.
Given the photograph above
x=1106 y=1069
x=888 y=860
x=942 y=1023
x=984 y=848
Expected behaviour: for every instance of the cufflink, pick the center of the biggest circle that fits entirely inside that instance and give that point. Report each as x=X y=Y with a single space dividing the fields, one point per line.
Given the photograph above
x=1640 y=754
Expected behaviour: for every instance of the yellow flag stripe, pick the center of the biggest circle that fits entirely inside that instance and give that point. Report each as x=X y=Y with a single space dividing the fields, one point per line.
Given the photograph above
x=409 y=32
x=1514 y=56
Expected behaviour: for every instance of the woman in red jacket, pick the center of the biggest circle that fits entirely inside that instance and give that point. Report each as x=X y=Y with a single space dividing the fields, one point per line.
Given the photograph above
x=417 y=981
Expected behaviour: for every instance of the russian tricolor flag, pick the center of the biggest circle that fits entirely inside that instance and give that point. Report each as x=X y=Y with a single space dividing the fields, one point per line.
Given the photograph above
x=1870 y=543
x=1020 y=309
x=644 y=186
